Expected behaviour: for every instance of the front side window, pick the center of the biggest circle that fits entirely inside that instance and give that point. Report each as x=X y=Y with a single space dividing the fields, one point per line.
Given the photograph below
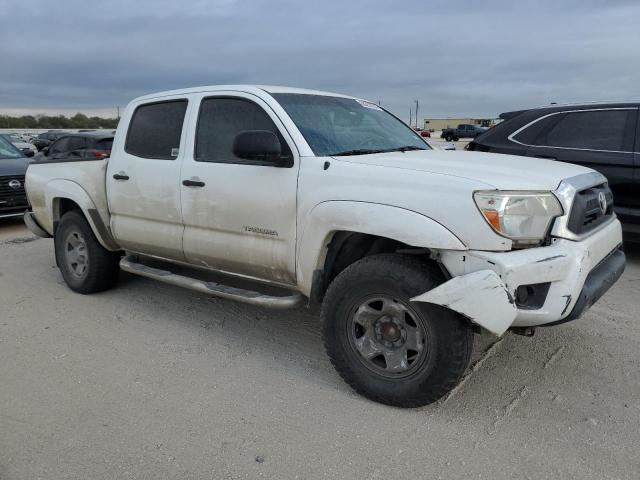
x=59 y=146
x=596 y=130
x=221 y=119
x=345 y=126
x=76 y=143
x=155 y=130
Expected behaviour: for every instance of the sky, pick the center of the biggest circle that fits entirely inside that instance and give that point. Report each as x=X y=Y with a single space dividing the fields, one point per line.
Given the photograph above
x=463 y=58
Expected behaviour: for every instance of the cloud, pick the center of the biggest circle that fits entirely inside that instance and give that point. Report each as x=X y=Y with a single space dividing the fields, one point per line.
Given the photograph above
x=479 y=58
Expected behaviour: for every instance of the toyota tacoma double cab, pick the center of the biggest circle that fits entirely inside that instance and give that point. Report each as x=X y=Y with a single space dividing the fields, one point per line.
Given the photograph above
x=324 y=199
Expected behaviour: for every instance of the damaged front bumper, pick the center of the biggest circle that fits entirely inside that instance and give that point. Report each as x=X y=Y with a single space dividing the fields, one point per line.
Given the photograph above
x=574 y=275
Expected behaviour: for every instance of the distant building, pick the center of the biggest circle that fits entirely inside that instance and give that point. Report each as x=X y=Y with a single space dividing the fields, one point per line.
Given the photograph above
x=442 y=123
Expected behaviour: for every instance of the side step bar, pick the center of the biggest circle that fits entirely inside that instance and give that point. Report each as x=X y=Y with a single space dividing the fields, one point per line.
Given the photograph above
x=128 y=264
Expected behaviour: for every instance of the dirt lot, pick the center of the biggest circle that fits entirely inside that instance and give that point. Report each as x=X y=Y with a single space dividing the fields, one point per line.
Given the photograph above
x=150 y=381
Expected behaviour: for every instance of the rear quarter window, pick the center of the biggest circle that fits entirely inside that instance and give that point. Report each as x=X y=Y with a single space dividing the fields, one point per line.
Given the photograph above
x=155 y=130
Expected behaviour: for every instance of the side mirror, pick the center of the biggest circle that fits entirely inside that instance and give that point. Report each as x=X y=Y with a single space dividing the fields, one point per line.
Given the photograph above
x=258 y=145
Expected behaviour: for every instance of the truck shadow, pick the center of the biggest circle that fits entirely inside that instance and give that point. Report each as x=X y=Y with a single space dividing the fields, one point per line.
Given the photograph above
x=290 y=342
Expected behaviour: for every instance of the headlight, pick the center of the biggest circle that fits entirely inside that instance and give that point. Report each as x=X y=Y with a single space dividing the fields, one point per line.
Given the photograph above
x=524 y=217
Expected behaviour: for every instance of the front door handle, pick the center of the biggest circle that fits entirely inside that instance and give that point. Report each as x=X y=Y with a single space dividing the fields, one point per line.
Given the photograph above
x=121 y=176
x=192 y=183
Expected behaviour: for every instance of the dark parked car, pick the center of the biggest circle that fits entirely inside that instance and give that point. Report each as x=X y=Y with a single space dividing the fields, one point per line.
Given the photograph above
x=464 y=130
x=604 y=137
x=73 y=146
x=13 y=166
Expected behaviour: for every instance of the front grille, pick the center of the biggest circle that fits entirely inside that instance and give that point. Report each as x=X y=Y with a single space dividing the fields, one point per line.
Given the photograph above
x=6 y=190
x=10 y=197
x=587 y=211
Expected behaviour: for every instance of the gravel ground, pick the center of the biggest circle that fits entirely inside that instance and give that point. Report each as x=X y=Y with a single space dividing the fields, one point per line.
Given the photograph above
x=150 y=381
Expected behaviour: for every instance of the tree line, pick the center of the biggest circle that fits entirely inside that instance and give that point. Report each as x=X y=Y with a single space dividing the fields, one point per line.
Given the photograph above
x=79 y=120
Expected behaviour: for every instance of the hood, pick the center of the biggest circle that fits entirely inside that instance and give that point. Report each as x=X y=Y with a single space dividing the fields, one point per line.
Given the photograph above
x=13 y=166
x=496 y=171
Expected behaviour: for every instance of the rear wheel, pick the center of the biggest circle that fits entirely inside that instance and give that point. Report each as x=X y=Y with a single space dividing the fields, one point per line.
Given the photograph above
x=386 y=347
x=448 y=138
x=86 y=266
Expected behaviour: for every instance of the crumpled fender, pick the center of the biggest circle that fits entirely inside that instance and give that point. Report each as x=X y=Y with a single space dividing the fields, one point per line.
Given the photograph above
x=480 y=296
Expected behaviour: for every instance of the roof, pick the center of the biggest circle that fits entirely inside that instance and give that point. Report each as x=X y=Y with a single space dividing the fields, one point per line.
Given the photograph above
x=242 y=88
x=572 y=106
x=98 y=135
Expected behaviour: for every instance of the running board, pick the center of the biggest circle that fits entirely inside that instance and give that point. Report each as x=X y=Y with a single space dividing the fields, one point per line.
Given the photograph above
x=128 y=264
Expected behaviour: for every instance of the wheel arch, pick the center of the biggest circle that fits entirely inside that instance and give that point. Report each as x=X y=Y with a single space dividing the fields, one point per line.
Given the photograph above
x=62 y=196
x=357 y=229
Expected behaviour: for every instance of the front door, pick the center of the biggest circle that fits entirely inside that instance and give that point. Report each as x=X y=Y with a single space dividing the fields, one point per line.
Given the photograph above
x=239 y=215
x=143 y=179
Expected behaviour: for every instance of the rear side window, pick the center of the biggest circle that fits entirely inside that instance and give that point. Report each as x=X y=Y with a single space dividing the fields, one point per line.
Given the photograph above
x=155 y=130
x=594 y=130
x=220 y=120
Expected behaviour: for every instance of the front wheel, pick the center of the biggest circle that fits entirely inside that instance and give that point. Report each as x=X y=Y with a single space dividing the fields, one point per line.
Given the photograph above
x=86 y=266
x=448 y=138
x=389 y=349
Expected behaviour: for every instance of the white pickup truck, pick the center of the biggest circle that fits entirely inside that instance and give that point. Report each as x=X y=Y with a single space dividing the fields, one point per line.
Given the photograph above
x=322 y=198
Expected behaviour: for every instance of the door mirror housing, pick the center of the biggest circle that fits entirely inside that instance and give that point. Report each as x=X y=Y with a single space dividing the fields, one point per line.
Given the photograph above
x=259 y=145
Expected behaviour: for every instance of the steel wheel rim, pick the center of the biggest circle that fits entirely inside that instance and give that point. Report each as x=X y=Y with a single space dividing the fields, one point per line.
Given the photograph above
x=388 y=336
x=76 y=255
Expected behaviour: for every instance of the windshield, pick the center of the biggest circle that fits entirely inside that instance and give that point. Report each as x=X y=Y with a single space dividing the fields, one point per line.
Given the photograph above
x=7 y=150
x=345 y=126
x=12 y=137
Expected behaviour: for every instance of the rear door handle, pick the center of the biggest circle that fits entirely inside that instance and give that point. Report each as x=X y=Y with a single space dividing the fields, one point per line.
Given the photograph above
x=193 y=183
x=121 y=176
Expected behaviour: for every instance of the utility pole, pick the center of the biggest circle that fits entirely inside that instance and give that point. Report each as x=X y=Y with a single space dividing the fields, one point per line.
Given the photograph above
x=416 y=113
x=118 y=112
x=410 y=116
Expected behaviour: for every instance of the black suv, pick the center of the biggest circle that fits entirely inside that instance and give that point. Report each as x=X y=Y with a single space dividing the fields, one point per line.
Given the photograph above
x=13 y=166
x=604 y=137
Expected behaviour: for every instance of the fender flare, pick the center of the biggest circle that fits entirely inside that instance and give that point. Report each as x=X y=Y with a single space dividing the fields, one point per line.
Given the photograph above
x=327 y=218
x=60 y=189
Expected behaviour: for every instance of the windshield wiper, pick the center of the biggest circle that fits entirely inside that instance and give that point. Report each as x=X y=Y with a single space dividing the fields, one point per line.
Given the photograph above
x=357 y=151
x=406 y=148
x=367 y=151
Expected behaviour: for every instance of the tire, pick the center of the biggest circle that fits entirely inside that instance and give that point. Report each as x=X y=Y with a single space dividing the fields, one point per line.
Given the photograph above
x=370 y=289
x=86 y=266
x=455 y=139
x=448 y=138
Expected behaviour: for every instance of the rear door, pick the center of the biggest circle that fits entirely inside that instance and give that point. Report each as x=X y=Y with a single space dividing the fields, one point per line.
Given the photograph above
x=143 y=179
x=239 y=215
x=601 y=139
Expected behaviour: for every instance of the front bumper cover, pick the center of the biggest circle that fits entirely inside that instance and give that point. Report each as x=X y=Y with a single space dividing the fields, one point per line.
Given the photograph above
x=579 y=273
